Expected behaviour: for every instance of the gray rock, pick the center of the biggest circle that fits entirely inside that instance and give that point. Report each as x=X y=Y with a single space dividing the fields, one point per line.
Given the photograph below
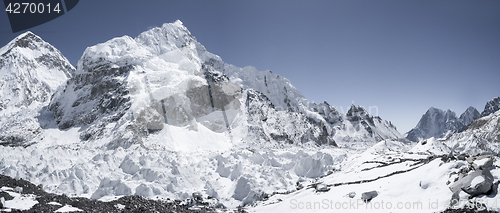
x=475 y=162
x=18 y=189
x=482 y=187
x=367 y=196
x=351 y=194
x=465 y=183
x=322 y=188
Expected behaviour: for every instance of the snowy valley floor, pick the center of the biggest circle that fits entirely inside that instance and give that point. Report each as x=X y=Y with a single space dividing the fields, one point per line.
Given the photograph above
x=389 y=176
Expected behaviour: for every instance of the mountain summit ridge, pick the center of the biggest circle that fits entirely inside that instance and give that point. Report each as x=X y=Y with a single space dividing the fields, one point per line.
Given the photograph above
x=441 y=124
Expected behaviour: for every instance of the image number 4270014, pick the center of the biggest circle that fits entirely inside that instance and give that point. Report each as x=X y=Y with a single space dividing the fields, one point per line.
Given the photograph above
x=25 y=14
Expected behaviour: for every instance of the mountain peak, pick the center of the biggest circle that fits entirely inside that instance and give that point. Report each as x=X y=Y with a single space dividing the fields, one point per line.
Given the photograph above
x=438 y=123
x=434 y=110
x=491 y=106
x=469 y=116
x=178 y=22
x=37 y=67
x=435 y=123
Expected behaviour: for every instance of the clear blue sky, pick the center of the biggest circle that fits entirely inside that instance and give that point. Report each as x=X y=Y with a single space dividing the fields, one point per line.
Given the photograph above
x=400 y=56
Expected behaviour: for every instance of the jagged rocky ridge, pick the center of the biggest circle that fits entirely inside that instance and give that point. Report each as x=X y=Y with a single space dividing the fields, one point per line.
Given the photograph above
x=440 y=124
x=491 y=107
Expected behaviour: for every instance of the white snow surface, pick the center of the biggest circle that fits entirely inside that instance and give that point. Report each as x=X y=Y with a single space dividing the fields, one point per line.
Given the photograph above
x=404 y=182
x=20 y=201
x=68 y=208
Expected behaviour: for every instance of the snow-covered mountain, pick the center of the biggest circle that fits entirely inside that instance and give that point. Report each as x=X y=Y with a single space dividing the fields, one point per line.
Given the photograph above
x=441 y=124
x=31 y=70
x=126 y=89
x=469 y=116
x=158 y=115
x=483 y=134
x=356 y=125
x=491 y=107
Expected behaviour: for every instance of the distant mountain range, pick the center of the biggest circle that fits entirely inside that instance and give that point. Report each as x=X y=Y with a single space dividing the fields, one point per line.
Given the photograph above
x=441 y=124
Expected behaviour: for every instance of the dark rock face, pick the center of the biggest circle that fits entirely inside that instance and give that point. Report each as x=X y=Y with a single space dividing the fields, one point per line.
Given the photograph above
x=491 y=107
x=328 y=112
x=478 y=182
x=101 y=98
x=438 y=123
x=285 y=126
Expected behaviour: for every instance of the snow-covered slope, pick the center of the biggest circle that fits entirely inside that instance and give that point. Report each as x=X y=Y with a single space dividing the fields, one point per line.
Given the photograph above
x=457 y=174
x=393 y=176
x=30 y=72
x=483 y=135
x=441 y=124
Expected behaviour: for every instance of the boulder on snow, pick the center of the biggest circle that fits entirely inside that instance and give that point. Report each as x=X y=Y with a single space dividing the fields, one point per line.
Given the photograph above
x=18 y=189
x=351 y=194
x=476 y=183
x=481 y=162
x=322 y=188
x=462 y=156
x=197 y=196
x=2 y=202
x=480 y=184
x=367 y=196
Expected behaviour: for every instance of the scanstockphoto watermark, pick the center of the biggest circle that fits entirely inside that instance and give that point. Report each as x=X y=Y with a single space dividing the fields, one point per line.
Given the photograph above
x=354 y=204
x=359 y=204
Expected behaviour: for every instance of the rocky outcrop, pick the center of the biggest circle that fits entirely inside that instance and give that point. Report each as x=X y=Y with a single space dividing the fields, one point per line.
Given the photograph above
x=491 y=107
x=477 y=182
